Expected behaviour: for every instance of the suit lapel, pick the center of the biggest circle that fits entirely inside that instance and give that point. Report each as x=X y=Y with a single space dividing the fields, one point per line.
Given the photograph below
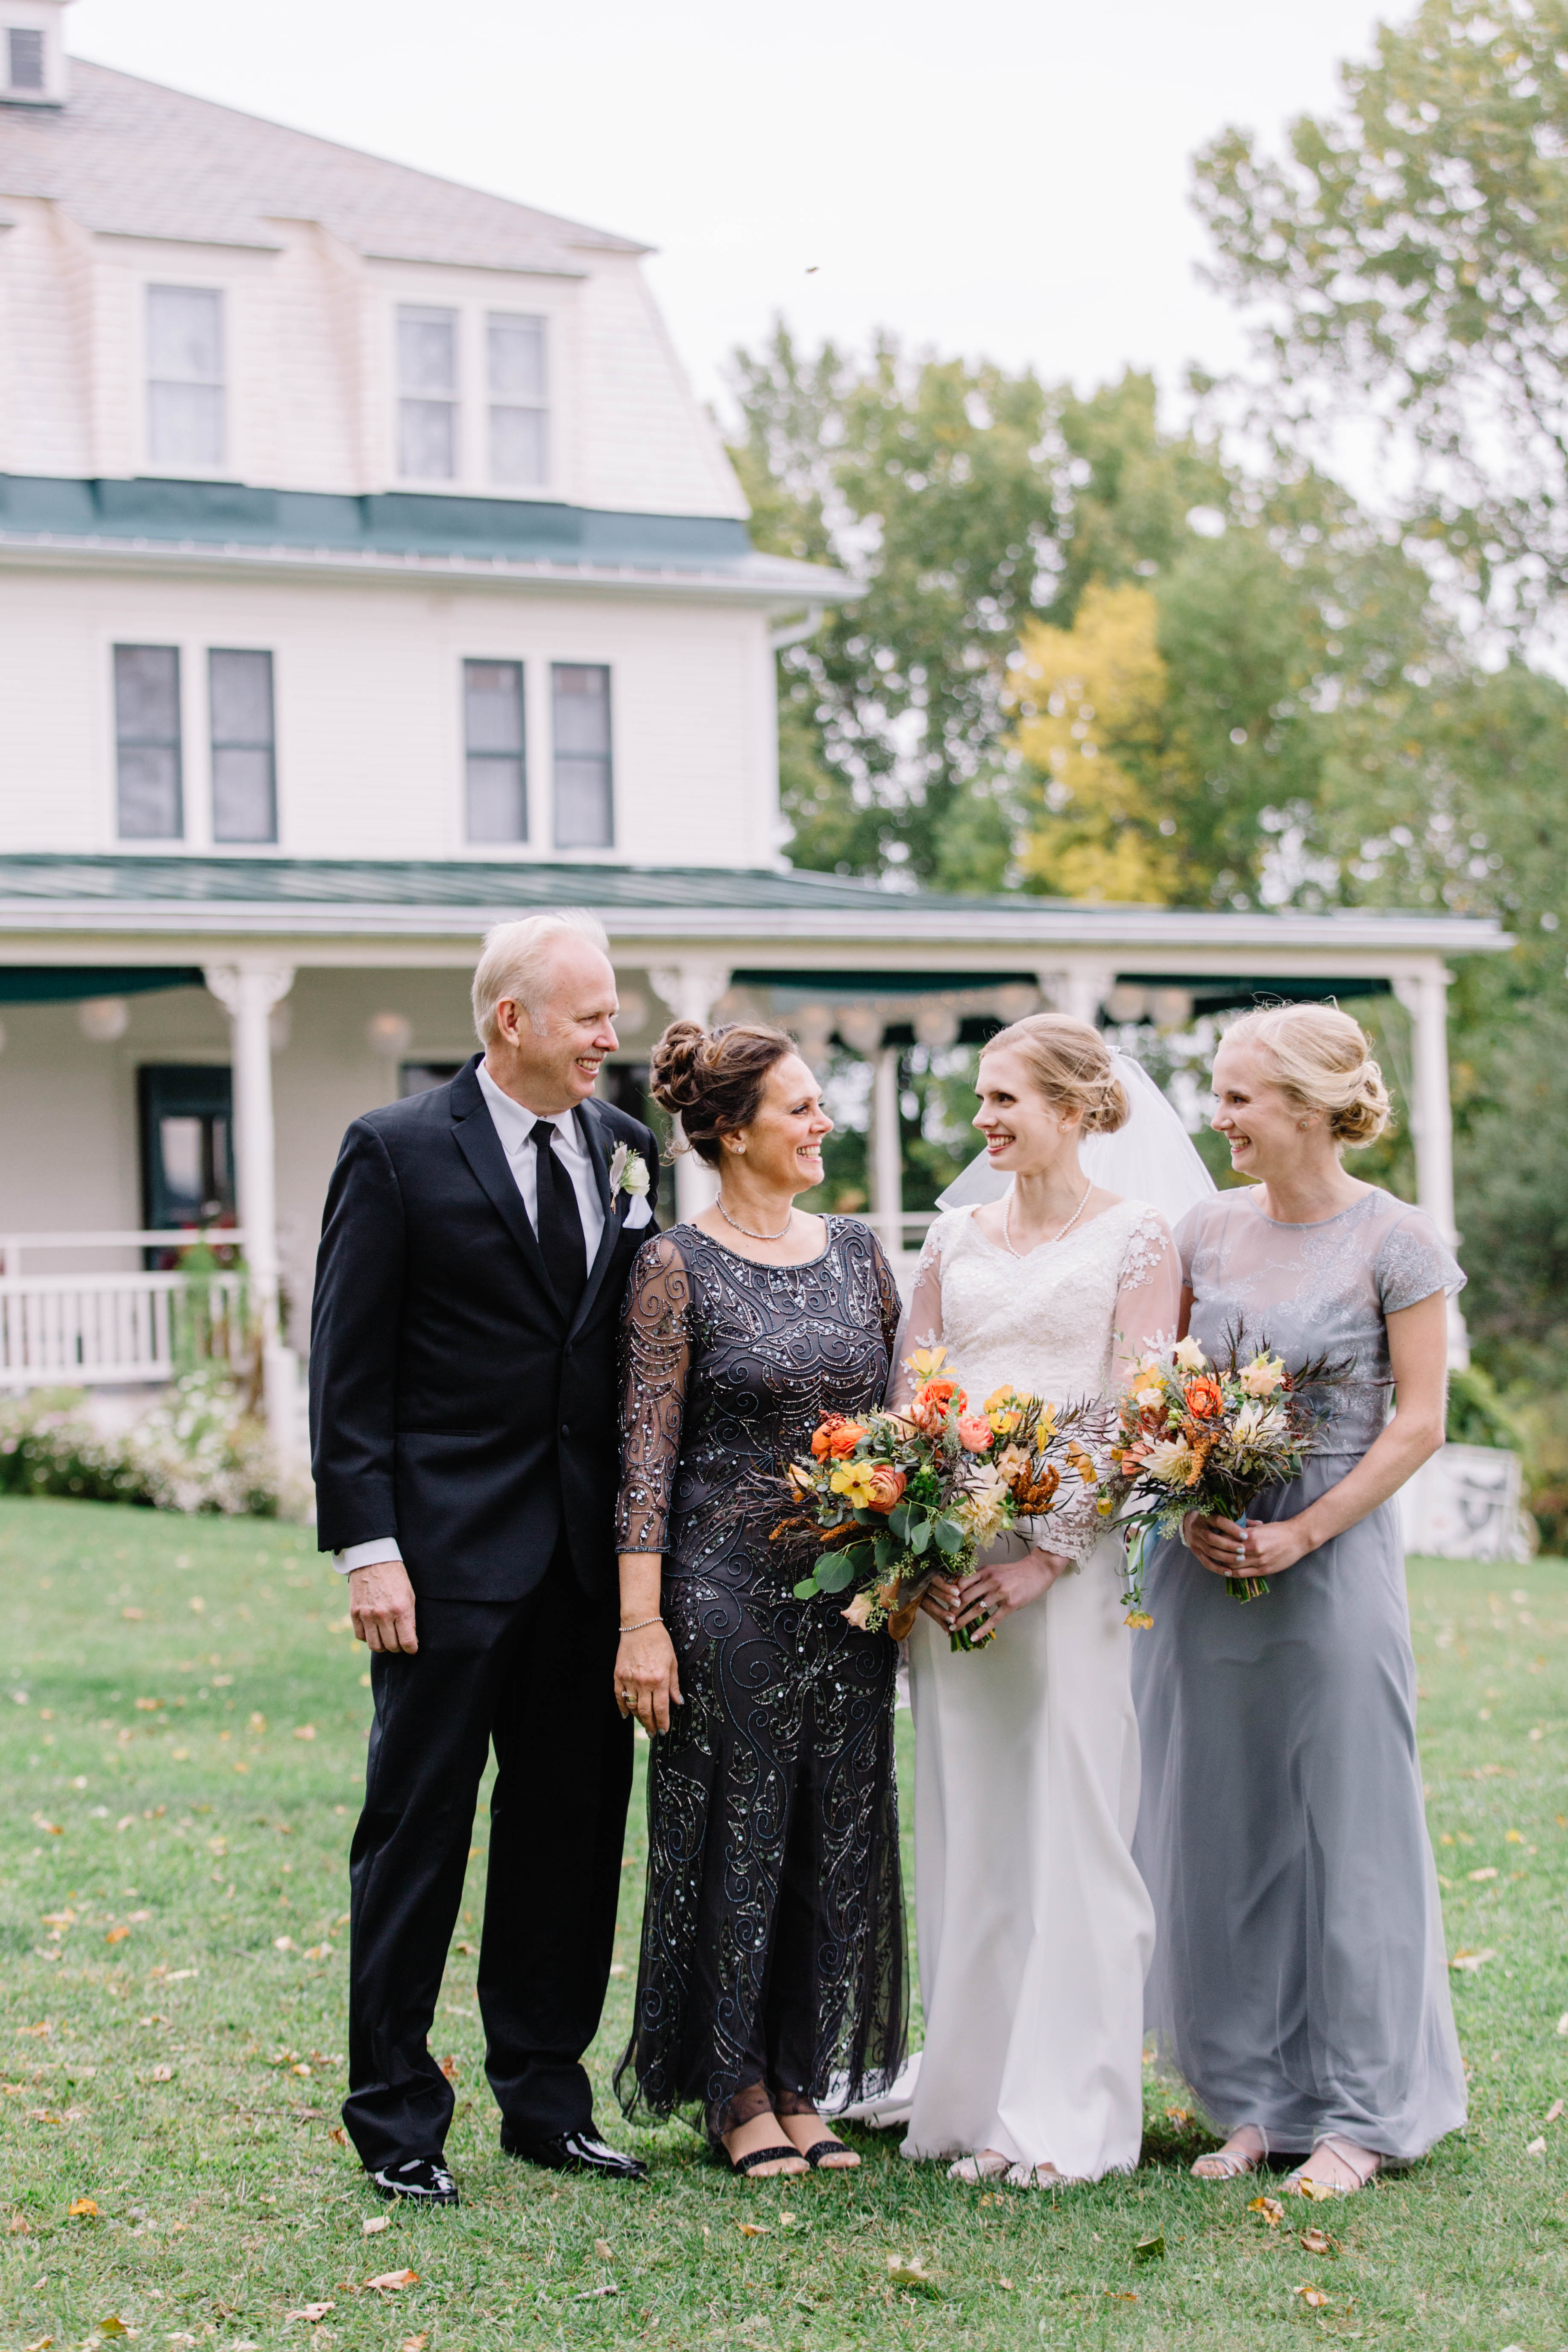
x=475 y=1133
x=589 y=1123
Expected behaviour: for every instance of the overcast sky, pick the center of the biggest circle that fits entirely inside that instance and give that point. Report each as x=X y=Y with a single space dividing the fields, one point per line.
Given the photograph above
x=1004 y=178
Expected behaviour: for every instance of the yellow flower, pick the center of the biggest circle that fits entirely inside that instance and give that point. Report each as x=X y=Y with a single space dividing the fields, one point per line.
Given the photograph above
x=854 y=1481
x=1045 y=1428
x=1262 y=1376
x=926 y=1362
x=1083 y=1464
x=1150 y=1393
x=1004 y=1409
x=1140 y=1621
x=1105 y=1506
x=1189 y=1355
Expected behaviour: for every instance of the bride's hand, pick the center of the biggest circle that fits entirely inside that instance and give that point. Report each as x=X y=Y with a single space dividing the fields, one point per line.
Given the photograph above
x=1002 y=1586
x=940 y=1602
x=647 y=1680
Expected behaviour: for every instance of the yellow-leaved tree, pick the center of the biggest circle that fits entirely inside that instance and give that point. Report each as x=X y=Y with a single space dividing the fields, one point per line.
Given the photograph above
x=1092 y=717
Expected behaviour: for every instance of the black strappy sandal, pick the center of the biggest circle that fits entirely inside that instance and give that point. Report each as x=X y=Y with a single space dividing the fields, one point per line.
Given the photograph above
x=754 y=2157
x=816 y=2156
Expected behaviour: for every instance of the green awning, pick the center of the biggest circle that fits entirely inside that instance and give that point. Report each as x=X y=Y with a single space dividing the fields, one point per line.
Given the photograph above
x=67 y=983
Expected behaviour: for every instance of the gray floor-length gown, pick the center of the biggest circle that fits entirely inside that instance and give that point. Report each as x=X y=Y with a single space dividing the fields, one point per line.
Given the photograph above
x=1299 y=1981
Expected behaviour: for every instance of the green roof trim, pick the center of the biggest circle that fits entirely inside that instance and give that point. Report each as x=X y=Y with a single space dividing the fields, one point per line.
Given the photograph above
x=396 y=522
x=67 y=983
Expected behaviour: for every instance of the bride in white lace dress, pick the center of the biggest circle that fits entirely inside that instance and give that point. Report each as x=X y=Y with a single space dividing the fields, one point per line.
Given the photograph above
x=1034 y=1931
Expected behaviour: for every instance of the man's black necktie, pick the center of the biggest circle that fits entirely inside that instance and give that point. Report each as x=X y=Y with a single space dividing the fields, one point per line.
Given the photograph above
x=560 y=1222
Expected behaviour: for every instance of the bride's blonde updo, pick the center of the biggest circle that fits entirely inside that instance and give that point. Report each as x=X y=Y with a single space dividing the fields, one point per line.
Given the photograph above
x=1321 y=1061
x=1069 y=1063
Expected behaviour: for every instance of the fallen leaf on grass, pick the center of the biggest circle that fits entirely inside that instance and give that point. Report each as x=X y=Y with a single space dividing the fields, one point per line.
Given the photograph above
x=1178 y=2115
x=308 y=1732
x=1316 y=2242
x=752 y=2228
x=162 y=2075
x=1553 y=2112
x=377 y=2222
x=1471 y=1961
x=1150 y=2249
x=117 y=1935
x=602 y=2248
x=1536 y=2148
x=449 y=2068
x=414 y=2343
x=1270 y=2207
x=309 y=2311
x=1488 y=1871
x=1006 y=2283
x=285 y=1944
x=41 y=2344
x=83 y=2208
x=391 y=2281
x=910 y=2271
x=319 y=1952
x=49 y=1828
x=594 y=2291
x=337 y=2134
x=115 y=2325
x=19 y=2226
x=47 y=2027
x=1313 y=2297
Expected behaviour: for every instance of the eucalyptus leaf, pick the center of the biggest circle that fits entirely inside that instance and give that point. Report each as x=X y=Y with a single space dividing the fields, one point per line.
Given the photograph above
x=949 y=1536
x=806 y=1589
x=920 y=1535
x=835 y=1574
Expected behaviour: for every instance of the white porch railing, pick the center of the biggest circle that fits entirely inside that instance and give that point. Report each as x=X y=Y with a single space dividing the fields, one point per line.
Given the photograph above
x=76 y=1329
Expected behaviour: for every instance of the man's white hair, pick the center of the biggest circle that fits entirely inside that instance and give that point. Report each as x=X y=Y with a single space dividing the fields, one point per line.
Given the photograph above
x=515 y=963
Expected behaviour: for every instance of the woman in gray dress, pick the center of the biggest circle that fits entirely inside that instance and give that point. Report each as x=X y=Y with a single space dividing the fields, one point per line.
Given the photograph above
x=1299 y=1981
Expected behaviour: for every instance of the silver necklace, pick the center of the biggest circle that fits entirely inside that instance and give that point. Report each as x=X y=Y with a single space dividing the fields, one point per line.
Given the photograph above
x=751 y=1236
x=1050 y=1239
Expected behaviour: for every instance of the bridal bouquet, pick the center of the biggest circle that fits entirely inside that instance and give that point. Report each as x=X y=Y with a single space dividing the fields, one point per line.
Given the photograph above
x=890 y=1500
x=1197 y=1437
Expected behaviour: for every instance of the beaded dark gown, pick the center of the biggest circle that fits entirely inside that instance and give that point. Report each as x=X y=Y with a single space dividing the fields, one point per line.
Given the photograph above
x=773 y=1963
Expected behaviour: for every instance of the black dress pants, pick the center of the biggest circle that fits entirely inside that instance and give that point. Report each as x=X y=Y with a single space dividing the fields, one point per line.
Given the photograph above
x=534 y=1676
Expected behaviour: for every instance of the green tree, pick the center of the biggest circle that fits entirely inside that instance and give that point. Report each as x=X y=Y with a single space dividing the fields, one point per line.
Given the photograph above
x=1410 y=256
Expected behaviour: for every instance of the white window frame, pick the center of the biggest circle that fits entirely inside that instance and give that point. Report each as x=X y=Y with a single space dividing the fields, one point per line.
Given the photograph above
x=474 y=311
x=231 y=468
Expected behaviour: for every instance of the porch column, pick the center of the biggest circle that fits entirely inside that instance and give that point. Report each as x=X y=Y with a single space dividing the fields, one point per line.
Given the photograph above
x=248 y=994
x=692 y=989
x=1080 y=989
x=887 y=1153
x=1424 y=993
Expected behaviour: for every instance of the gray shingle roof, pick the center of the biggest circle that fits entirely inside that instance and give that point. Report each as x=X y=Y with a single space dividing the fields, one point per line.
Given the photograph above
x=134 y=159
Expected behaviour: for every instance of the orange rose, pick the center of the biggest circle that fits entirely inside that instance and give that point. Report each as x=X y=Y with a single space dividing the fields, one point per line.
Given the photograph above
x=886 y=1485
x=1203 y=1398
x=976 y=1435
x=835 y=1436
x=929 y=1404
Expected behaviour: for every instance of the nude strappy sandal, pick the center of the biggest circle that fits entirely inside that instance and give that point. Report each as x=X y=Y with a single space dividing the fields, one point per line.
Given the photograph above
x=1233 y=2164
x=973 y=2169
x=1364 y=2162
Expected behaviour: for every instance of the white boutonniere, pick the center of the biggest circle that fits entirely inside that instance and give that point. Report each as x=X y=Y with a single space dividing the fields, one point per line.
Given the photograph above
x=628 y=1172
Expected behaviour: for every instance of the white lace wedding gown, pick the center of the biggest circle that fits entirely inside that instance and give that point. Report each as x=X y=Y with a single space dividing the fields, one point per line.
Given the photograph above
x=1034 y=1931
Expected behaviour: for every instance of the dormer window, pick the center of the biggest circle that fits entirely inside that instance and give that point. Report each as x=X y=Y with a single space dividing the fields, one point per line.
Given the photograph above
x=186 y=391
x=519 y=399
x=427 y=446
x=24 y=59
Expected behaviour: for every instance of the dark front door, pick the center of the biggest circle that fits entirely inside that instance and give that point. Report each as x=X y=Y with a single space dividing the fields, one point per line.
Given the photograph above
x=187 y=1156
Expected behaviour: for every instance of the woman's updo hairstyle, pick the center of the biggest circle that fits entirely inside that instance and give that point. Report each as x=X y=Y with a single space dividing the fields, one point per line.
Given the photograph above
x=711 y=1079
x=1321 y=1061
x=1069 y=1063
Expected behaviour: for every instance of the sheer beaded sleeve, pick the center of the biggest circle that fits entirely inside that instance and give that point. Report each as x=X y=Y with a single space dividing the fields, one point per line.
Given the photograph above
x=924 y=1326
x=889 y=1305
x=1149 y=1294
x=654 y=1360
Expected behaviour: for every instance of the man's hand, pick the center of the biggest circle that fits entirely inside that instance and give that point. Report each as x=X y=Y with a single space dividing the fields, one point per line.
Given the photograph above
x=381 y=1603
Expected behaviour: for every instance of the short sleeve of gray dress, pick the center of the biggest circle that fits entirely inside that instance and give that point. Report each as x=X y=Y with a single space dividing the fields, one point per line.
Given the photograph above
x=1414 y=1262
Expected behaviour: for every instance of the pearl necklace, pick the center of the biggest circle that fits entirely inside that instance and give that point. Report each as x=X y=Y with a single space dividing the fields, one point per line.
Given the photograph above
x=1050 y=1239
x=751 y=1236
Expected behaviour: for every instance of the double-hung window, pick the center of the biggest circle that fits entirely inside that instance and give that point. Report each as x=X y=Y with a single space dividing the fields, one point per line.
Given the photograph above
x=497 y=771
x=519 y=399
x=24 y=58
x=584 y=795
x=185 y=387
x=244 y=777
x=147 y=742
x=429 y=445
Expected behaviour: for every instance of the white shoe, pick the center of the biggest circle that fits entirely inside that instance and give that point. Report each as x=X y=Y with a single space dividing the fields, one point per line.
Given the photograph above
x=973 y=2169
x=1038 y=2176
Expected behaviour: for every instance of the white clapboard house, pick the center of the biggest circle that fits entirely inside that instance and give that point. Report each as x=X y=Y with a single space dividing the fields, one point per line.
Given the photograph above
x=368 y=573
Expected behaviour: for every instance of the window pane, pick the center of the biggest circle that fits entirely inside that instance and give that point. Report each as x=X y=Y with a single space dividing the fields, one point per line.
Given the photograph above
x=243 y=796
x=428 y=440
x=426 y=350
x=492 y=706
x=184 y=425
x=180 y=1144
x=584 y=805
x=185 y=334
x=498 y=800
x=240 y=686
x=26 y=58
x=516 y=351
x=520 y=445
x=147 y=740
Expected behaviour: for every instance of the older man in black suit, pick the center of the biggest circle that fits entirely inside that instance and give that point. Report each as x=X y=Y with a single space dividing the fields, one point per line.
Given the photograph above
x=474 y=1252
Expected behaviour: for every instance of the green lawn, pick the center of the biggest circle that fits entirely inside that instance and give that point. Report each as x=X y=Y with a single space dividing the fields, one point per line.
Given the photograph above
x=183 y=1717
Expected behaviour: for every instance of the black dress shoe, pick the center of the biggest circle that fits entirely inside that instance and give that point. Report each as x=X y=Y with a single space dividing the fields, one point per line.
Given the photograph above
x=423 y=2179
x=577 y=2151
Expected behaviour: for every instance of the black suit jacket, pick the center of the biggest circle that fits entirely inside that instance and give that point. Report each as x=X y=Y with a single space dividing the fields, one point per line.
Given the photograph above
x=453 y=1404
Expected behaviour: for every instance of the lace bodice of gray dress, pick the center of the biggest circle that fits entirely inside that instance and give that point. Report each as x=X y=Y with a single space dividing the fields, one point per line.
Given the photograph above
x=1299 y=1980
x=772 y=1948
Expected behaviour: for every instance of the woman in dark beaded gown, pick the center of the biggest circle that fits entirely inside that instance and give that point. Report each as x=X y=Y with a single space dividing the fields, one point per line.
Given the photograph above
x=773 y=1951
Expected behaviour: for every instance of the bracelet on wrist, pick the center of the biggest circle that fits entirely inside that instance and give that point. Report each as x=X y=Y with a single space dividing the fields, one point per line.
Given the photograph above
x=642 y=1625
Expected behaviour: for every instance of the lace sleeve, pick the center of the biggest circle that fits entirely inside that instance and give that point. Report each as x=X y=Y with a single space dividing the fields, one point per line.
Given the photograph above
x=1149 y=1293
x=923 y=1328
x=1413 y=1263
x=654 y=1359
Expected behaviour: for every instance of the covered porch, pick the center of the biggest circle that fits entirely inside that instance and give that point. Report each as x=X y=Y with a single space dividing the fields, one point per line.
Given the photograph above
x=186 y=1039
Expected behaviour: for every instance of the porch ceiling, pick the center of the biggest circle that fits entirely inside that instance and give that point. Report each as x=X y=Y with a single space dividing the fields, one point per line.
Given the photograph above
x=126 y=908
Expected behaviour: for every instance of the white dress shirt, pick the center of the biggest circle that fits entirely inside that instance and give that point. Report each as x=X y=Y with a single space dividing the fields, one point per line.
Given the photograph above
x=514 y=1124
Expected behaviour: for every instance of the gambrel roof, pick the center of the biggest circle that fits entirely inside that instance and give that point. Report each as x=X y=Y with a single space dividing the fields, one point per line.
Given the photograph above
x=131 y=158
